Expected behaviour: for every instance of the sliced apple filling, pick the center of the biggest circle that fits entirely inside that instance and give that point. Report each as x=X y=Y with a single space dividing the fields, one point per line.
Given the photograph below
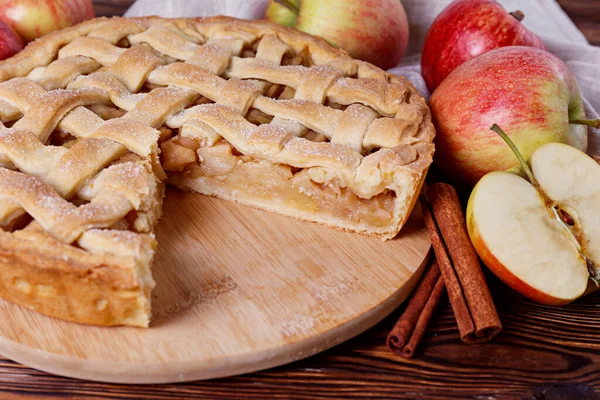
x=220 y=170
x=289 y=129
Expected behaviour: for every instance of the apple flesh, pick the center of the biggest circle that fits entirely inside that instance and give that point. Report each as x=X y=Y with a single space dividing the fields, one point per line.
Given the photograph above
x=34 y=18
x=467 y=28
x=513 y=225
x=578 y=196
x=10 y=42
x=529 y=92
x=375 y=31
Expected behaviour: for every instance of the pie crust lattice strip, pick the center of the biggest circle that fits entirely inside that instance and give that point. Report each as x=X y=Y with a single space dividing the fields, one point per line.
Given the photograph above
x=98 y=117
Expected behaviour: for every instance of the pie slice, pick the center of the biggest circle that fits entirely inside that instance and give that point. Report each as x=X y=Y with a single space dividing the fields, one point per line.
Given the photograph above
x=96 y=118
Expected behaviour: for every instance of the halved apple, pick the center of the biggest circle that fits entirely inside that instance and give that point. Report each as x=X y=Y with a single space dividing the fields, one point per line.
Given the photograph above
x=541 y=236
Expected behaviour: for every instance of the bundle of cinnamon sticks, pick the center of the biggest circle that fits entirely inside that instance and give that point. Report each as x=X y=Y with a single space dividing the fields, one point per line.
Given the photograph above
x=456 y=267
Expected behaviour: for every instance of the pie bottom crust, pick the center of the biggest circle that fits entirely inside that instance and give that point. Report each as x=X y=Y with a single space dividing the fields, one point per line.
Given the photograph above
x=274 y=188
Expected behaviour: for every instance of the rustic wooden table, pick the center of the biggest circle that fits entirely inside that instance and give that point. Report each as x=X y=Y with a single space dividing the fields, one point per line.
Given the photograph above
x=542 y=353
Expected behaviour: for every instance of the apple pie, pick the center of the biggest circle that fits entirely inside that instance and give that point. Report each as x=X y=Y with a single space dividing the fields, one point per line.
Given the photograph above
x=98 y=118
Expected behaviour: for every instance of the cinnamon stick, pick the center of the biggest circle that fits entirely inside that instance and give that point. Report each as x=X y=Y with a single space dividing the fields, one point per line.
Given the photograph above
x=411 y=326
x=469 y=295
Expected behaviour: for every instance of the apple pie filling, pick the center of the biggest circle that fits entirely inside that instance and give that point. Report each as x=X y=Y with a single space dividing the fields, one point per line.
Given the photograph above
x=220 y=170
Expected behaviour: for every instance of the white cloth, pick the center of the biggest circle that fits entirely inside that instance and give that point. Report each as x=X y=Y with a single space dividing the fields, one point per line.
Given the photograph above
x=544 y=17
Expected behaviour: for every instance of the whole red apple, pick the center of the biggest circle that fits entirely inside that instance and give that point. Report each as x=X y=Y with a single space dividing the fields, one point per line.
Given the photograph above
x=10 y=42
x=529 y=92
x=467 y=28
x=35 y=18
x=372 y=30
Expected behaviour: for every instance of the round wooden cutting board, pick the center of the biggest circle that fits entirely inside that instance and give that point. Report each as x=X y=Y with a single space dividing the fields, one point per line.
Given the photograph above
x=238 y=290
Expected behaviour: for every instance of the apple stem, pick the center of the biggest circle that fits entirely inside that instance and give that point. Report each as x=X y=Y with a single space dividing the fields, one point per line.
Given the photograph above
x=517 y=153
x=594 y=123
x=518 y=15
x=289 y=5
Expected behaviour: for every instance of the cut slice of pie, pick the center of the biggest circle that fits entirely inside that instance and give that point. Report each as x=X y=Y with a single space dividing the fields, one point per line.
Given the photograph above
x=96 y=118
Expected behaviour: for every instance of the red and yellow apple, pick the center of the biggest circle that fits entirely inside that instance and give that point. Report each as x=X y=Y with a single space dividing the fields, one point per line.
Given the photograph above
x=467 y=28
x=34 y=18
x=10 y=42
x=529 y=92
x=372 y=30
x=541 y=234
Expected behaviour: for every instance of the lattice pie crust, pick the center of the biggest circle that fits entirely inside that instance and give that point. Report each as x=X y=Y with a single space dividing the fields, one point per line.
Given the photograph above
x=96 y=118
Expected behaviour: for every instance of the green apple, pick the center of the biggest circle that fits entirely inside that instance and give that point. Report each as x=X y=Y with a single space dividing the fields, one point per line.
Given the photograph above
x=283 y=13
x=375 y=31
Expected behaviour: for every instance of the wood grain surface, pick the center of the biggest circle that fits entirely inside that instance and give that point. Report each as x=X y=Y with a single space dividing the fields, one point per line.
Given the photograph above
x=586 y=15
x=543 y=353
x=237 y=290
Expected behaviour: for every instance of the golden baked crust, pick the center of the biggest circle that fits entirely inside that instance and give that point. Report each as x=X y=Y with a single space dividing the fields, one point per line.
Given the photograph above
x=57 y=279
x=248 y=111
